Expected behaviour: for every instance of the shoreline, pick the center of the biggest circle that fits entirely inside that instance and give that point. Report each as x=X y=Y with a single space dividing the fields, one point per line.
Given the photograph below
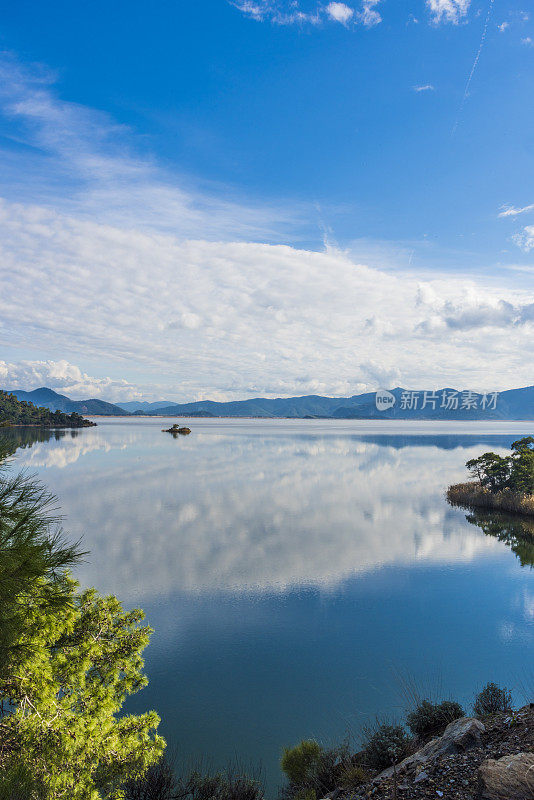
x=473 y=495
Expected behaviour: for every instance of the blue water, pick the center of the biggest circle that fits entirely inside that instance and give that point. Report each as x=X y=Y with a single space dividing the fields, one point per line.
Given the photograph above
x=297 y=573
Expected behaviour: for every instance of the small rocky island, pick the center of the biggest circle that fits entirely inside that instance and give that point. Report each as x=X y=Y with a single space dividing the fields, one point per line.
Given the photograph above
x=177 y=430
x=500 y=483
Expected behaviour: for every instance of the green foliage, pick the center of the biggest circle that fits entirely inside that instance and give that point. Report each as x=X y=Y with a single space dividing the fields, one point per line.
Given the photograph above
x=430 y=718
x=386 y=745
x=514 y=472
x=64 y=698
x=314 y=770
x=31 y=548
x=22 y=412
x=353 y=775
x=492 y=700
x=300 y=763
x=17 y=783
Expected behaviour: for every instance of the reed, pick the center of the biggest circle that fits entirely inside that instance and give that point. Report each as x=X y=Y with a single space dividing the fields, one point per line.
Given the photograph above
x=473 y=495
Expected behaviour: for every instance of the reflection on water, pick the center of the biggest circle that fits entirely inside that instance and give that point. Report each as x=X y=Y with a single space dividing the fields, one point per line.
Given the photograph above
x=219 y=512
x=517 y=532
x=290 y=568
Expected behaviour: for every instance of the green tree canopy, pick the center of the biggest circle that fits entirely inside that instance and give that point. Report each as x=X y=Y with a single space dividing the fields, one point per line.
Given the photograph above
x=68 y=662
x=32 y=547
x=64 y=700
x=514 y=472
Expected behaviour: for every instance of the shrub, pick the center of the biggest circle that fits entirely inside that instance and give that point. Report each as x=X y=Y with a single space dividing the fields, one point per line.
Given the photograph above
x=492 y=700
x=386 y=745
x=352 y=776
x=158 y=783
x=228 y=785
x=313 y=771
x=300 y=763
x=430 y=718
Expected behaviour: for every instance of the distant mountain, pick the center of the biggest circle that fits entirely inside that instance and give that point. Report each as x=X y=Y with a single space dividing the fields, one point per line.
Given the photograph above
x=442 y=404
x=142 y=405
x=47 y=398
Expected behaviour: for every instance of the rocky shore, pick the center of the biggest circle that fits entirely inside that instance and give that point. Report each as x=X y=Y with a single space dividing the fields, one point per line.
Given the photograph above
x=489 y=759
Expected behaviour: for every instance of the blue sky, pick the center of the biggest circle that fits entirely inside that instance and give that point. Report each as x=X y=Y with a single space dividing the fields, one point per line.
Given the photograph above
x=266 y=196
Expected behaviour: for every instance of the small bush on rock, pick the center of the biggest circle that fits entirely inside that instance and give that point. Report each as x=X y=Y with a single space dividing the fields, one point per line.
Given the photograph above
x=312 y=770
x=353 y=776
x=430 y=718
x=386 y=745
x=492 y=700
x=300 y=763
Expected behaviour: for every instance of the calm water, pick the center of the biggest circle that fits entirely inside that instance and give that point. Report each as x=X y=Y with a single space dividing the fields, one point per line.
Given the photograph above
x=294 y=571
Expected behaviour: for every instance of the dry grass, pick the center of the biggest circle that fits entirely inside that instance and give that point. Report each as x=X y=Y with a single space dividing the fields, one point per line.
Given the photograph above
x=473 y=495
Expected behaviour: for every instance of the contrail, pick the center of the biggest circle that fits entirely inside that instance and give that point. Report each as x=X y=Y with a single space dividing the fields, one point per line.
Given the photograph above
x=473 y=68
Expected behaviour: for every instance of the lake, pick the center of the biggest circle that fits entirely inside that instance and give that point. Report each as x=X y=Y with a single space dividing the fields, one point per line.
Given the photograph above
x=298 y=574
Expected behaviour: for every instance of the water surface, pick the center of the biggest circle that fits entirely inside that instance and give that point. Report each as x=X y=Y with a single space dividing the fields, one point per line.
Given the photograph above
x=295 y=572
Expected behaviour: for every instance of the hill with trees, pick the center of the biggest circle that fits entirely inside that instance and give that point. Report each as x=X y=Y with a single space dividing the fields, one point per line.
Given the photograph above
x=22 y=412
x=48 y=398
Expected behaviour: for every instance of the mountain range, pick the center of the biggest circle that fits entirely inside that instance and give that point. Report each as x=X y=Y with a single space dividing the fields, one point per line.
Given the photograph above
x=443 y=404
x=47 y=398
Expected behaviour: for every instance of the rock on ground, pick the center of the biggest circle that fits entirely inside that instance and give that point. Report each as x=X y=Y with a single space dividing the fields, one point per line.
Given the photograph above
x=507 y=778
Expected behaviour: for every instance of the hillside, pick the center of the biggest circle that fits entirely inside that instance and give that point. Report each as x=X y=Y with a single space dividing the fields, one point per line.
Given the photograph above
x=22 y=412
x=143 y=406
x=443 y=404
x=447 y=404
x=47 y=398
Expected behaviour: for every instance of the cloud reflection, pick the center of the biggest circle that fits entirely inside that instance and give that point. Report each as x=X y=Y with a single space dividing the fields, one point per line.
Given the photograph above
x=247 y=513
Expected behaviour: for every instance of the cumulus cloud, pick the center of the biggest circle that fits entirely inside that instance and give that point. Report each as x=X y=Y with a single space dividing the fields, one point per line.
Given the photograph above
x=130 y=268
x=238 y=317
x=339 y=12
x=64 y=378
x=448 y=10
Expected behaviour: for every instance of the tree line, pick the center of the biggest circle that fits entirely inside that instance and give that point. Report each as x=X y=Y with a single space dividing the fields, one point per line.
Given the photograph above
x=22 y=412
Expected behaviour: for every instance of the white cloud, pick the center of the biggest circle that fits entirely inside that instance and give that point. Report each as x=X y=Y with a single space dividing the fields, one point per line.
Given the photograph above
x=448 y=10
x=512 y=211
x=528 y=41
x=368 y=15
x=503 y=26
x=240 y=318
x=291 y=12
x=151 y=279
x=340 y=12
x=427 y=87
x=64 y=378
x=525 y=239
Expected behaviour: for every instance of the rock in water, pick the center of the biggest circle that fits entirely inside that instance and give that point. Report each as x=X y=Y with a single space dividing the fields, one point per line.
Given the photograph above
x=507 y=778
x=177 y=429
